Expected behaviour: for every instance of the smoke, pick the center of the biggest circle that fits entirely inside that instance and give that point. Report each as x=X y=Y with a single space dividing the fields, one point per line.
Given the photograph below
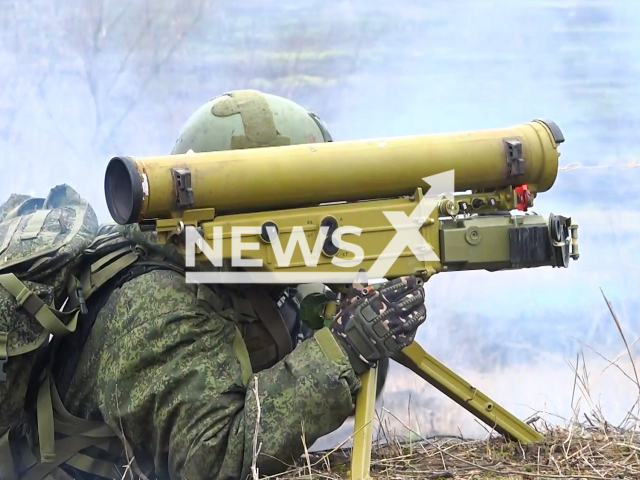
x=85 y=80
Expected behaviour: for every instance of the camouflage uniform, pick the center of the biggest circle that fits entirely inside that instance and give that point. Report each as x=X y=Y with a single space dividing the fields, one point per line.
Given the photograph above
x=165 y=364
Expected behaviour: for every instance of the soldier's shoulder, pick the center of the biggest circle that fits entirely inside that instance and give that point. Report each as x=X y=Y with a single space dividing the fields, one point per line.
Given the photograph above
x=158 y=282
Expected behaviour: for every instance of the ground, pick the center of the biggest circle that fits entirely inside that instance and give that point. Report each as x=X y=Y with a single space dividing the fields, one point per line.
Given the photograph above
x=593 y=450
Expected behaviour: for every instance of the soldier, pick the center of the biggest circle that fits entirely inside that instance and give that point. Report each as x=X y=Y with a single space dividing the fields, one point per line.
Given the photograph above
x=174 y=369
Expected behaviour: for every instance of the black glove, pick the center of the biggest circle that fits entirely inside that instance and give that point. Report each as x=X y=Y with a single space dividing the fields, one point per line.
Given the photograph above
x=374 y=324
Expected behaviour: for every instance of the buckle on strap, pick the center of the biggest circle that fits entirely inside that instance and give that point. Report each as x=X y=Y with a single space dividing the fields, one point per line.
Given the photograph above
x=23 y=295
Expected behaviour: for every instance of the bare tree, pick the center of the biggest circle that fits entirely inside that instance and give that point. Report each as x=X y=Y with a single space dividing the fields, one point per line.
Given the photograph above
x=98 y=77
x=119 y=49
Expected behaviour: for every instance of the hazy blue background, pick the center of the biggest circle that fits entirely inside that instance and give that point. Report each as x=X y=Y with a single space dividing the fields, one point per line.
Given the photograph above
x=84 y=80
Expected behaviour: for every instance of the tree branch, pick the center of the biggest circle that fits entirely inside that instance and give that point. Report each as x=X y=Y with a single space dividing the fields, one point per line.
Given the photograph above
x=155 y=69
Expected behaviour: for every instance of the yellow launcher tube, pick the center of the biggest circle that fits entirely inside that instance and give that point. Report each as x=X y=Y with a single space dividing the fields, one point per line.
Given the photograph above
x=258 y=179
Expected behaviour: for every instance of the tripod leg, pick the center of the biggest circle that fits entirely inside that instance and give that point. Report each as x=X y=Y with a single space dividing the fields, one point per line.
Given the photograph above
x=416 y=359
x=363 y=426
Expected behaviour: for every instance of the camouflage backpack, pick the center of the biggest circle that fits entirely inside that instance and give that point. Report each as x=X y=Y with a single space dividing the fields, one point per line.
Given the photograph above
x=41 y=240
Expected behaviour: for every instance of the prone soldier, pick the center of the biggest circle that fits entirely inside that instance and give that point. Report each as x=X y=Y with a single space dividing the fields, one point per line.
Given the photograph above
x=182 y=372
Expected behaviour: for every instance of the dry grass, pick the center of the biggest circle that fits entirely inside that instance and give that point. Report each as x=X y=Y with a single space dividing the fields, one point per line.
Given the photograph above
x=592 y=450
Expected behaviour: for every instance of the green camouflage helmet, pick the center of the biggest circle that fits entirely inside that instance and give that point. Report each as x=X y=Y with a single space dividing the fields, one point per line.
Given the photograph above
x=248 y=119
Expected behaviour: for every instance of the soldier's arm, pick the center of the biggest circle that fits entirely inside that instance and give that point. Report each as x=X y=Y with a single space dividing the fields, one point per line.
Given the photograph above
x=174 y=376
x=309 y=393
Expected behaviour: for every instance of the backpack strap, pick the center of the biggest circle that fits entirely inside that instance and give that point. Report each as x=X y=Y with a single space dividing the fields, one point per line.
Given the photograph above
x=52 y=320
x=268 y=313
x=33 y=227
x=106 y=268
x=79 y=434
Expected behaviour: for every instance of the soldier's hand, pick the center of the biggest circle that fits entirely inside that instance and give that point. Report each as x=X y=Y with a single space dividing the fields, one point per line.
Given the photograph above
x=373 y=324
